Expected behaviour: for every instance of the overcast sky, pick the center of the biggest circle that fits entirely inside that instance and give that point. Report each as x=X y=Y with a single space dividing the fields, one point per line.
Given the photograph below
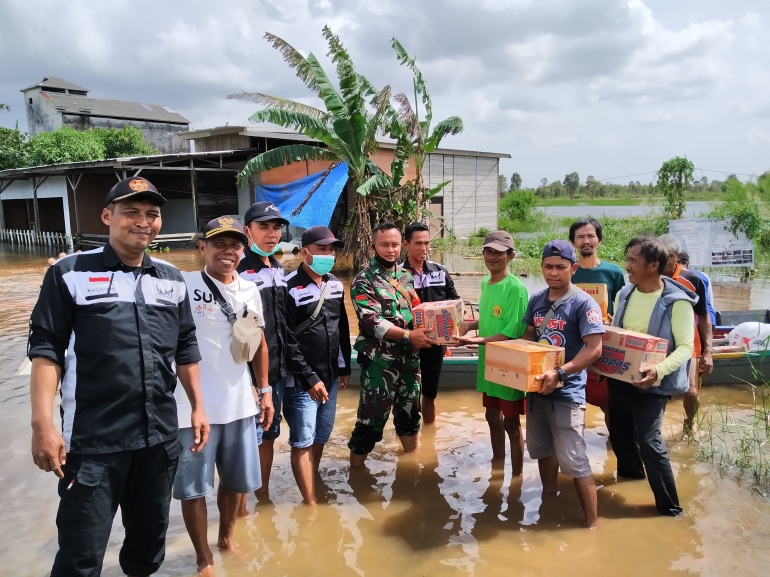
x=603 y=87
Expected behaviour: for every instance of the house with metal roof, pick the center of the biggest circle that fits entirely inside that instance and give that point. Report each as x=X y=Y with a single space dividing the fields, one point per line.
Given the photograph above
x=54 y=102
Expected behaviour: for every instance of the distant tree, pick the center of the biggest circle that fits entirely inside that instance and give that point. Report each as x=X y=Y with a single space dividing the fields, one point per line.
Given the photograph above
x=543 y=191
x=673 y=177
x=126 y=141
x=591 y=186
x=4 y=107
x=13 y=148
x=572 y=183
x=515 y=181
x=518 y=205
x=63 y=146
x=557 y=189
x=502 y=183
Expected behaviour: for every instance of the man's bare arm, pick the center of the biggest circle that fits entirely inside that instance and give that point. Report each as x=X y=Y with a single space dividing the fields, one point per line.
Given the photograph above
x=48 y=449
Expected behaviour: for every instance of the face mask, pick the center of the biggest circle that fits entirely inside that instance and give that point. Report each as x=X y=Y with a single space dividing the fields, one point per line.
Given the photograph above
x=322 y=263
x=387 y=264
x=261 y=252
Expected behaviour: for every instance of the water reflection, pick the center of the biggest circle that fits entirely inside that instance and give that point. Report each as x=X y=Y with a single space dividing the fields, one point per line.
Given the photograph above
x=443 y=511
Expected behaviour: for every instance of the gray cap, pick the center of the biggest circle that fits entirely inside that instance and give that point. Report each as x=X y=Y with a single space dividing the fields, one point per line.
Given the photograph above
x=499 y=240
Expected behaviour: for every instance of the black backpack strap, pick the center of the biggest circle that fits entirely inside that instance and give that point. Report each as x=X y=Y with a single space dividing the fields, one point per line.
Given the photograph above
x=223 y=304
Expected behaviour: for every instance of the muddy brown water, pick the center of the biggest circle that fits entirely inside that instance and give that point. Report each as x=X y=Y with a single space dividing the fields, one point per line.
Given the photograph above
x=443 y=511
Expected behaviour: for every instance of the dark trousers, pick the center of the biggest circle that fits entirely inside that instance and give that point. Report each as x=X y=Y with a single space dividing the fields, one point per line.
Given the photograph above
x=635 y=433
x=93 y=486
x=431 y=362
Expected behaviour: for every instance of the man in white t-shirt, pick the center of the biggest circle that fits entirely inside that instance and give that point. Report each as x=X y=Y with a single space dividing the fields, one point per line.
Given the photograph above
x=229 y=396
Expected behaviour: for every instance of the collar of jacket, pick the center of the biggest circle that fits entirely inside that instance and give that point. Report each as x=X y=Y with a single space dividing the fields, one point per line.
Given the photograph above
x=256 y=263
x=427 y=266
x=303 y=276
x=111 y=259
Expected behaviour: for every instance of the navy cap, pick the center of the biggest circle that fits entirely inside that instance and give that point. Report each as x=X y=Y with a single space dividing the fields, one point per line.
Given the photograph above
x=262 y=211
x=560 y=248
x=135 y=188
x=222 y=225
x=320 y=235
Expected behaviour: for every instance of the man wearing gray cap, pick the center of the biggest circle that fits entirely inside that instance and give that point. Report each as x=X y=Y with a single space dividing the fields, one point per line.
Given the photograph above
x=501 y=309
x=563 y=315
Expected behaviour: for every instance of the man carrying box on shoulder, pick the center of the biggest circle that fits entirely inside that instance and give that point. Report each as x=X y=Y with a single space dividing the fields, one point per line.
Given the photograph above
x=432 y=283
x=563 y=315
x=655 y=305
x=586 y=236
x=501 y=308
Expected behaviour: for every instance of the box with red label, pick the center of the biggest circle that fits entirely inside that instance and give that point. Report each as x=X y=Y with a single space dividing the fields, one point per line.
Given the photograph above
x=625 y=352
x=597 y=291
x=443 y=320
x=517 y=362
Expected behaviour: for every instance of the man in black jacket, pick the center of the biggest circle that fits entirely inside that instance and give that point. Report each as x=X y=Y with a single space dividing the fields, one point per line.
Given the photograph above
x=316 y=314
x=432 y=283
x=262 y=225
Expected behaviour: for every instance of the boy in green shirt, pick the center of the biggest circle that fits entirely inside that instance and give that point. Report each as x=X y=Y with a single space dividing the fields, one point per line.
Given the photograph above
x=501 y=310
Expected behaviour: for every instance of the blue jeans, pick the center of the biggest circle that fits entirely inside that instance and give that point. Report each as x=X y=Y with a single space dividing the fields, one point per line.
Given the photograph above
x=274 y=431
x=309 y=421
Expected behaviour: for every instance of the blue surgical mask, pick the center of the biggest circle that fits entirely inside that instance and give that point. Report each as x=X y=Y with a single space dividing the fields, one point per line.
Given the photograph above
x=261 y=252
x=322 y=263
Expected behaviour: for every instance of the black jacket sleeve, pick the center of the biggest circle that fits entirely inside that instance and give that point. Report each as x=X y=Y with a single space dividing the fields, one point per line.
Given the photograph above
x=50 y=325
x=187 y=351
x=344 y=339
x=451 y=292
x=295 y=361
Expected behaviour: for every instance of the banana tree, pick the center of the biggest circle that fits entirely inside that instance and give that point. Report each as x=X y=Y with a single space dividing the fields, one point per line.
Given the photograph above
x=347 y=129
x=415 y=134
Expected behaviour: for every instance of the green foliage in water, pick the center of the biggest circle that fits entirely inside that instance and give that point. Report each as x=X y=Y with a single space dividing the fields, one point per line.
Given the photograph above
x=747 y=207
x=517 y=205
x=674 y=176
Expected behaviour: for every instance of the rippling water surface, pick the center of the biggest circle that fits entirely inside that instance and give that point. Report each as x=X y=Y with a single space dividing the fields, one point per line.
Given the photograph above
x=443 y=511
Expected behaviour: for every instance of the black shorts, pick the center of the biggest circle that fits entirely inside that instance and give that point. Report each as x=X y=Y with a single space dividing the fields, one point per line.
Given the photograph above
x=431 y=361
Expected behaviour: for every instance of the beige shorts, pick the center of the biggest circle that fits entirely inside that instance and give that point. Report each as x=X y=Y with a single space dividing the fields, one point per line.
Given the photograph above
x=556 y=428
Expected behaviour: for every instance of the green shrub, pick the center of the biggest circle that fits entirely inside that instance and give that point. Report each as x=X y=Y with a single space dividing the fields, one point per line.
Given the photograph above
x=518 y=205
x=63 y=146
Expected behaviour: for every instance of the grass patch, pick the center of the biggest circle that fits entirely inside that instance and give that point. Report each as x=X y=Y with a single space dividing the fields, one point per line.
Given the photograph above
x=584 y=201
x=736 y=441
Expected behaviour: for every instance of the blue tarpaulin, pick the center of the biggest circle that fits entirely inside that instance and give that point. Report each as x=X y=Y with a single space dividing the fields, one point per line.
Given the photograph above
x=319 y=208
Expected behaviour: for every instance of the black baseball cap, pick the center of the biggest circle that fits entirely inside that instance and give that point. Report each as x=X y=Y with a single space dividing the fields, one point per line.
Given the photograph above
x=499 y=240
x=684 y=257
x=262 y=211
x=320 y=235
x=137 y=188
x=222 y=225
x=560 y=248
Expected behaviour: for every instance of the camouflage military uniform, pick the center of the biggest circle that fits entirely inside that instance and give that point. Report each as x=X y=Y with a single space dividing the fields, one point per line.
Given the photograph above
x=390 y=370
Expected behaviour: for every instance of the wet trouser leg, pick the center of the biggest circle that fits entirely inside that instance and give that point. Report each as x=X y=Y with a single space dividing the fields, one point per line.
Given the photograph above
x=93 y=486
x=646 y=411
x=396 y=387
x=431 y=363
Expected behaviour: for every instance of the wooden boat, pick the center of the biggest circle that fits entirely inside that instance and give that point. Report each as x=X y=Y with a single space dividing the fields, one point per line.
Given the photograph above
x=731 y=365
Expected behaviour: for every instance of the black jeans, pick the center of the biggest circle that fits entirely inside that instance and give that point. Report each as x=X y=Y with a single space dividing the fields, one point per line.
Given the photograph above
x=431 y=362
x=635 y=433
x=93 y=486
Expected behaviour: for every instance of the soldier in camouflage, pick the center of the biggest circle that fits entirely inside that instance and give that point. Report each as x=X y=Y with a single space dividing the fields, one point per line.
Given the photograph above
x=383 y=296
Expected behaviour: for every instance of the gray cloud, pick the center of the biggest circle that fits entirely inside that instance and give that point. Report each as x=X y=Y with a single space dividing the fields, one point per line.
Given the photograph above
x=604 y=87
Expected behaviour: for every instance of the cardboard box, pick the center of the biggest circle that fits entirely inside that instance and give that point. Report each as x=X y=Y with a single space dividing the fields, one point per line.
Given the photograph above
x=625 y=352
x=443 y=320
x=516 y=363
x=598 y=291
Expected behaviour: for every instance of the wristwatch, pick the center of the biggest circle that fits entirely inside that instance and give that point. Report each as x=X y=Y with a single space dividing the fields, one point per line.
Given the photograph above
x=562 y=374
x=265 y=390
x=405 y=338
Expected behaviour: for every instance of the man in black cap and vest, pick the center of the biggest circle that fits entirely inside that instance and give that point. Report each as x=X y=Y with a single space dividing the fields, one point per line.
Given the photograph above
x=317 y=317
x=114 y=327
x=263 y=224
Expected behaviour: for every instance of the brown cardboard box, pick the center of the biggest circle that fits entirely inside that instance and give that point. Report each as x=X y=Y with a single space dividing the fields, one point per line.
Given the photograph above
x=598 y=291
x=442 y=319
x=516 y=363
x=624 y=352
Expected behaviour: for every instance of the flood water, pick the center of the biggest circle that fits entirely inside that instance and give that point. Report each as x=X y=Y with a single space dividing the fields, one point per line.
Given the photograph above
x=694 y=209
x=443 y=511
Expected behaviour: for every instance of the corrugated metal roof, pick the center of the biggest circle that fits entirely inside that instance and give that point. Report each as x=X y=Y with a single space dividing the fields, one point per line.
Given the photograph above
x=54 y=82
x=113 y=108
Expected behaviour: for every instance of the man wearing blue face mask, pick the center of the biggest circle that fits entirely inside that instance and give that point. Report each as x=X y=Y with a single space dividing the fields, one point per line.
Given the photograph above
x=316 y=316
x=263 y=225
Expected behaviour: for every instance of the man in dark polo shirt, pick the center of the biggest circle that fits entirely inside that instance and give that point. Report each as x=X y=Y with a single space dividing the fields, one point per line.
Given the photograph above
x=432 y=283
x=113 y=325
